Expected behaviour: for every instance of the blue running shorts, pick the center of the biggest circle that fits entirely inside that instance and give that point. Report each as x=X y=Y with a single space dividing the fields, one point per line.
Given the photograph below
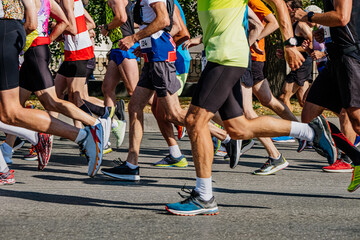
x=118 y=55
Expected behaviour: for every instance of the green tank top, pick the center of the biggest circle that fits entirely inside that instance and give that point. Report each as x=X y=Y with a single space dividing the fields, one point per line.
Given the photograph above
x=114 y=34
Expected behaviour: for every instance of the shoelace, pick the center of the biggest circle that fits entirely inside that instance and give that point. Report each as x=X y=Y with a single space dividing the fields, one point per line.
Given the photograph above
x=266 y=164
x=118 y=162
x=185 y=190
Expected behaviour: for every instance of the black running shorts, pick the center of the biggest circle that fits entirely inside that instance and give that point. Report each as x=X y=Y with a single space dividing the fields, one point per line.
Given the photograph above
x=35 y=74
x=219 y=89
x=161 y=77
x=73 y=69
x=301 y=75
x=12 y=41
x=338 y=85
x=254 y=76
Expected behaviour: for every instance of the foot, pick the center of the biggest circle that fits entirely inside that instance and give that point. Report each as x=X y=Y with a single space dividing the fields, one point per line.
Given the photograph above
x=107 y=148
x=7 y=178
x=340 y=166
x=32 y=156
x=170 y=161
x=181 y=131
x=120 y=110
x=283 y=139
x=272 y=166
x=106 y=125
x=355 y=180
x=92 y=147
x=122 y=172
x=323 y=142
x=119 y=132
x=221 y=152
x=217 y=144
x=43 y=149
x=247 y=145
x=6 y=154
x=233 y=149
x=193 y=205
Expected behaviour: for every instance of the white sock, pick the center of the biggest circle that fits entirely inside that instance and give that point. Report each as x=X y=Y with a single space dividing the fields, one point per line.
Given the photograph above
x=227 y=139
x=302 y=131
x=114 y=124
x=7 y=148
x=96 y=122
x=3 y=166
x=81 y=136
x=175 y=151
x=204 y=188
x=130 y=165
x=29 y=135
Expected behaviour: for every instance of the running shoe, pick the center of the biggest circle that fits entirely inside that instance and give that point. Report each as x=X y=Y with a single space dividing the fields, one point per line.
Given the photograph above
x=32 y=156
x=107 y=148
x=217 y=144
x=6 y=154
x=272 y=166
x=119 y=132
x=193 y=205
x=355 y=180
x=92 y=147
x=221 y=152
x=340 y=166
x=357 y=141
x=323 y=142
x=7 y=178
x=302 y=145
x=18 y=144
x=120 y=110
x=233 y=149
x=43 y=149
x=170 y=161
x=181 y=131
x=247 y=145
x=106 y=126
x=122 y=172
x=283 y=139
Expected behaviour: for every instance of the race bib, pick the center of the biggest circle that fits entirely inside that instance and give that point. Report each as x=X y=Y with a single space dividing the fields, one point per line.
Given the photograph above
x=145 y=43
x=327 y=34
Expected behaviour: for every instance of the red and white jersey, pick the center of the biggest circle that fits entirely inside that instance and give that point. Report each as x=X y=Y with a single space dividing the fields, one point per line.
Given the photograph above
x=78 y=47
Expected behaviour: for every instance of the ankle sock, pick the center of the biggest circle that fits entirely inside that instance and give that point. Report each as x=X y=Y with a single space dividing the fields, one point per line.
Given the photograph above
x=130 y=165
x=81 y=136
x=204 y=188
x=175 y=151
x=302 y=131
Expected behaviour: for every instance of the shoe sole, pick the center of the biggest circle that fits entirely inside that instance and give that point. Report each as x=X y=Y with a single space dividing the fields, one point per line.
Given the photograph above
x=221 y=154
x=31 y=159
x=278 y=168
x=238 y=155
x=123 y=177
x=93 y=171
x=285 y=141
x=247 y=147
x=339 y=171
x=106 y=151
x=356 y=188
x=106 y=124
x=299 y=150
x=164 y=166
x=194 y=213
x=329 y=140
x=8 y=183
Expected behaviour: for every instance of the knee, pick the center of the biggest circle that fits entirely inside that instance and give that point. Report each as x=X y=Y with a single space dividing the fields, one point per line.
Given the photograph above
x=190 y=121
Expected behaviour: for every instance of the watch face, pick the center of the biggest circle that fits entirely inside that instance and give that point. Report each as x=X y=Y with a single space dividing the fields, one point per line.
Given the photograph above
x=293 y=41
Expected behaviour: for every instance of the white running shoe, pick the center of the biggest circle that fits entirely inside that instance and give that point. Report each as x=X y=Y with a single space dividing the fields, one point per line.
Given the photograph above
x=119 y=132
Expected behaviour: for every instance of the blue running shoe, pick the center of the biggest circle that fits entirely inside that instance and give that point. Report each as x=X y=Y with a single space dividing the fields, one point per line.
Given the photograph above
x=193 y=205
x=357 y=141
x=323 y=142
x=283 y=139
x=92 y=147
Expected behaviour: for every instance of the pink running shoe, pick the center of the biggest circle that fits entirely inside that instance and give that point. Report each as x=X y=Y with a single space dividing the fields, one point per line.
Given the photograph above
x=7 y=178
x=43 y=149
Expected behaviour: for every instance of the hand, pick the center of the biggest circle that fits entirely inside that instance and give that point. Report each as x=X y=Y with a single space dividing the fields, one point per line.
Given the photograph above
x=306 y=45
x=256 y=49
x=319 y=35
x=299 y=15
x=293 y=57
x=127 y=42
x=137 y=52
x=279 y=53
x=103 y=31
x=191 y=43
x=316 y=55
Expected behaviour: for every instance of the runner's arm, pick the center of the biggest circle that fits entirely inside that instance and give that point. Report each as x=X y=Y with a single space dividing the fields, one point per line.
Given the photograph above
x=30 y=16
x=61 y=21
x=306 y=32
x=68 y=7
x=90 y=24
x=339 y=17
x=256 y=27
x=176 y=24
x=119 y=10
x=270 y=27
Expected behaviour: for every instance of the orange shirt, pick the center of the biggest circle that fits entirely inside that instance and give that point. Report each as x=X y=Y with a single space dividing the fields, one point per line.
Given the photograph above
x=261 y=12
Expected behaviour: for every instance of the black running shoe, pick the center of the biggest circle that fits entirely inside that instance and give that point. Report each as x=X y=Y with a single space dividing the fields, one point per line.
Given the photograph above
x=122 y=171
x=233 y=149
x=120 y=110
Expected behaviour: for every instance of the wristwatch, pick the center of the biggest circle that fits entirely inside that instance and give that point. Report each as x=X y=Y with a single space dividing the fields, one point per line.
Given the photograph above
x=106 y=27
x=309 y=16
x=291 y=42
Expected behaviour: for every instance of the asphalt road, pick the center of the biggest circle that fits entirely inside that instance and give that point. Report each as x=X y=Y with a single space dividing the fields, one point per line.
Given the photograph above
x=61 y=202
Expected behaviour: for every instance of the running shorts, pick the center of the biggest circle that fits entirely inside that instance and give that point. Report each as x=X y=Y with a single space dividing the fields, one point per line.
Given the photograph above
x=254 y=76
x=161 y=77
x=73 y=69
x=35 y=74
x=118 y=55
x=219 y=89
x=12 y=41
x=338 y=84
x=301 y=75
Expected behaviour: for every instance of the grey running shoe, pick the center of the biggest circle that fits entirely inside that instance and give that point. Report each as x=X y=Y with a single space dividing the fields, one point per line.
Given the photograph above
x=272 y=166
x=233 y=149
x=247 y=145
x=120 y=110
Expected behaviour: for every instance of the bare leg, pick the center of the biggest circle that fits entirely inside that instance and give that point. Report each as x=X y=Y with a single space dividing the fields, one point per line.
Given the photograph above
x=287 y=91
x=111 y=80
x=300 y=94
x=129 y=71
x=310 y=111
x=346 y=126
x=354 y=116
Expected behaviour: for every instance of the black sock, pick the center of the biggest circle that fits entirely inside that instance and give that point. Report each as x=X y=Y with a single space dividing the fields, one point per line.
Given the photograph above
x=85 y=109
x=97 y=110
x=345 y=145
